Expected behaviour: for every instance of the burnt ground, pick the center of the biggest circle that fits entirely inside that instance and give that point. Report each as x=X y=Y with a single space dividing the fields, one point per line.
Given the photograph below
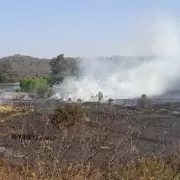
x=109 y=132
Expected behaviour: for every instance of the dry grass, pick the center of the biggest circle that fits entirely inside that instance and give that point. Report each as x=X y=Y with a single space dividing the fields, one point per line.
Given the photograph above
x=143 y=169
x=7 y=172
x=67 y=115
x=8 y=109
x=45 y=161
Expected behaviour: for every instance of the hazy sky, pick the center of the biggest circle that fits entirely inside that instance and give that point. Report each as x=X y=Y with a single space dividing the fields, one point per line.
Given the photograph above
x=47 y=28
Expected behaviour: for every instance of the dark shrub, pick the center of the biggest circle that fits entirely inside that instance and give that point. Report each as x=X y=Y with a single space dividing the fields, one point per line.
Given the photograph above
x=67 y=115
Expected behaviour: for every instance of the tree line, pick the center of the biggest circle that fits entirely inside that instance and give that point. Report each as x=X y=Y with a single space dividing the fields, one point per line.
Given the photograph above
x=59 y=66
x=13 y=68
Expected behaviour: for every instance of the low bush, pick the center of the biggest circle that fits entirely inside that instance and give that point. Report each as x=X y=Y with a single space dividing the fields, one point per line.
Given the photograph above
x=42 y=90
x=38 y=85
x=67 y=115
x=18 y=90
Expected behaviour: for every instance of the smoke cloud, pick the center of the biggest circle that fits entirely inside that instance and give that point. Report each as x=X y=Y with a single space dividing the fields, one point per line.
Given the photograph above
x=150 y=64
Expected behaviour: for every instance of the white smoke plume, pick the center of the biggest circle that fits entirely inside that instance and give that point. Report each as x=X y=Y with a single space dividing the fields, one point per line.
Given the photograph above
x=128 y=77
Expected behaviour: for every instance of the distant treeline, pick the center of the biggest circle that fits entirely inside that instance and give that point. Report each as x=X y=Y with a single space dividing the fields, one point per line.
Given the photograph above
x=13 y=68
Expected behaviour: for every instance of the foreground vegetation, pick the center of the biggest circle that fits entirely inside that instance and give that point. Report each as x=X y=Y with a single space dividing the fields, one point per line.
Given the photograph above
x=146 y=169
x=80 y=148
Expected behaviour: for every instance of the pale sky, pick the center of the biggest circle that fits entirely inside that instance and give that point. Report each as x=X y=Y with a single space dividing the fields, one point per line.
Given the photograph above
x=45 y=28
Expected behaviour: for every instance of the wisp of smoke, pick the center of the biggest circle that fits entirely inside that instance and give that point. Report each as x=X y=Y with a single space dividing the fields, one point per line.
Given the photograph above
x=128 y=77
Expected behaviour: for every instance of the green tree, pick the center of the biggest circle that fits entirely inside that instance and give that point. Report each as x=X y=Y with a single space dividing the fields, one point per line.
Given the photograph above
x=143 y=101
x=56 y=64
x=67 y=66
x=54 y=79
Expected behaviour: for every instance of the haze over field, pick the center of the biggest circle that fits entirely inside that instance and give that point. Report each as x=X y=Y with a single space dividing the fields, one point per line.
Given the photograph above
x=157 y=37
